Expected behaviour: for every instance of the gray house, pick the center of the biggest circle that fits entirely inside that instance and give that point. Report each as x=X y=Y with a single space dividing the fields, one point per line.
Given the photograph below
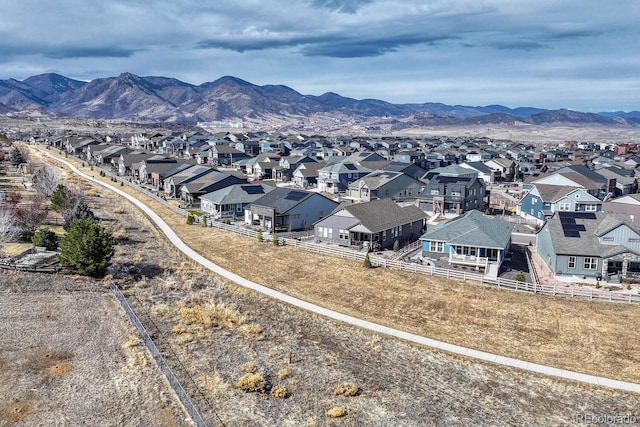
x=590 y=244
x=384 y=185
x=229 y=202
x=376 y=225
x=286 y=209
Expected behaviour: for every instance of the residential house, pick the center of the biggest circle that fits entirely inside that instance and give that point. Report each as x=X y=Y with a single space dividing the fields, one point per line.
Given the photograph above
x=230 y=202
x=377 y=224
x=452 y=189
x=506 y=168
x=287 y=165
x=590 y=244
x=629 y=204
x=225 y=155
x=384 y=185
x=410 y=169
x=192 y=190
x=156 y=164
x=487 y=174
x=286 y=209
x=336 y=177
x=472 y=239
x=173 y=182
x=542 y=200
x=306 y=174
x=625 y=179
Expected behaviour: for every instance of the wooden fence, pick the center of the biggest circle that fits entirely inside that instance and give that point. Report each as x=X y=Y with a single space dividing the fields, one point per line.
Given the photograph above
x=397 y=264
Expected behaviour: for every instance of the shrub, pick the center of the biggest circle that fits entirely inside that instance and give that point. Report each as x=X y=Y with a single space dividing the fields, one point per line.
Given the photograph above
x=283 y=373
x=280 y=392
x=275 y=239
x=598 y=285
x=260 y=236
x=346 y=389
x=79 y=212
x=628 y=286
x=249 y=368
x=520 y=277
x=87 y=247
x=45 y=237
x=367 y=262
x=252 y=382
x=337 y=412
x=190 y=219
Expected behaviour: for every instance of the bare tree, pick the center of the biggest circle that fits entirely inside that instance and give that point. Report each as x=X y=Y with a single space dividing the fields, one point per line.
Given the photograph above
x=32 y=215
x=46 y=180
x=8 y=224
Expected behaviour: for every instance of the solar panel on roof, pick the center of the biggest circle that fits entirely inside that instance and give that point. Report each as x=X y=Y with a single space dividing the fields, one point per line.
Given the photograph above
x=350 y=166
x=253 y=189
x=571 y=233
x=295 y=195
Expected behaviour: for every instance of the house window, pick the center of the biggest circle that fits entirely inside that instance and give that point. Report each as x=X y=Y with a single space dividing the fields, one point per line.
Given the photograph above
x=435 y=191
x=634 y=240
x=571 y=263
x=564 y=206
x=437 y=246
x=607 y=239
x=456 y=193
x=534 y=200
x=344 y=234
x=590 y=263
x=591 y=208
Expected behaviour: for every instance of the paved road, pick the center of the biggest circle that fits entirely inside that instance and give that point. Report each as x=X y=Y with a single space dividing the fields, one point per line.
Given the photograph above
x=374 y=327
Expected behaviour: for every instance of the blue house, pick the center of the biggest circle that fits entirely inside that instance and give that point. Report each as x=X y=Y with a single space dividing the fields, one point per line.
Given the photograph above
x=543 y=200
x=472 y=239
x=590 y=244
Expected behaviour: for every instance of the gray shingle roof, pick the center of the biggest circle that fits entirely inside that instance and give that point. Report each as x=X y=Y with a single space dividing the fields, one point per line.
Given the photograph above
x=383 y=214
x=472 y=229
x=585 y=241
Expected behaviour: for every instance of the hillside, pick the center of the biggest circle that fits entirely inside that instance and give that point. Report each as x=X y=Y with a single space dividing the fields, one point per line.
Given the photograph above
x=165 y=99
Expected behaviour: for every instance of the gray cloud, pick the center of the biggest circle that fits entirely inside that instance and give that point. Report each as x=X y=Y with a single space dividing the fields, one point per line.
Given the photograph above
x=343 y=6
x=419 y=49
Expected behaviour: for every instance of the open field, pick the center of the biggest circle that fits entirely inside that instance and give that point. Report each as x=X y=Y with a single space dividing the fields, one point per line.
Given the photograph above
x=70 y=357
x=579 y=335
x=215 y=332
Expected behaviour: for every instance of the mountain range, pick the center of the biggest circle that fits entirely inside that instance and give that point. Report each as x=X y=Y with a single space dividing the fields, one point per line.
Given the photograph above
x=164 y=99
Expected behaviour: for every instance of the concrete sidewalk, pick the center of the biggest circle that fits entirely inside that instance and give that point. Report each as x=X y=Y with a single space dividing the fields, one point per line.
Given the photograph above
x=374 y=327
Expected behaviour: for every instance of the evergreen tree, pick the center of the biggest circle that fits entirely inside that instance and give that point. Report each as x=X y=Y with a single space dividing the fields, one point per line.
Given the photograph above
x=367 y=262
x=87 y=248
x=45 y=237
x=16 y=157
x=80 y=211
x=59 y=199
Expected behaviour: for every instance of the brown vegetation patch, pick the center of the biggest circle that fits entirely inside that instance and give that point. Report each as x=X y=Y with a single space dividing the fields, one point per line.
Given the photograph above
x=61 y=368
x=17 y=411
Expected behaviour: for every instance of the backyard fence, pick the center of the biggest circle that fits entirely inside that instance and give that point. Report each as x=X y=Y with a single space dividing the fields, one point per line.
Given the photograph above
x=398 y=264
x=188 y=405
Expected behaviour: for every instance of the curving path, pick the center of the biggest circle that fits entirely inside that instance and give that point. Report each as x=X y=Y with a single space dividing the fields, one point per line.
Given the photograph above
x=374 y=327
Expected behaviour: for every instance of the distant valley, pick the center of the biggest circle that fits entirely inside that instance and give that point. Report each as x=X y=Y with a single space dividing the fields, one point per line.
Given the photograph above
x=163 y=99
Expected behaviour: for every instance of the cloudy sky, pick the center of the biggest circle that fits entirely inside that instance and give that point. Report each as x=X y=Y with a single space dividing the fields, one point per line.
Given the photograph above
x=577 y=54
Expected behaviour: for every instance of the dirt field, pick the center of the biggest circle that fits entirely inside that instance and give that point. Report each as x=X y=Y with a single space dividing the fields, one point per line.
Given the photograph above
x=69 y=356
x=214 y=333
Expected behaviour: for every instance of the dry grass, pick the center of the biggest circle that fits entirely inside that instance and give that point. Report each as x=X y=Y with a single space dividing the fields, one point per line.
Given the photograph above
x=407 y=384
x=252 y=382
x=280 y=392
x=346 y=389
x=11 y=249
x=536 y=328
x=337 y=412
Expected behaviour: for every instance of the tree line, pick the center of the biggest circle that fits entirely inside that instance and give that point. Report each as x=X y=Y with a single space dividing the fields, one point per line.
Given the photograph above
x=86 y=246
